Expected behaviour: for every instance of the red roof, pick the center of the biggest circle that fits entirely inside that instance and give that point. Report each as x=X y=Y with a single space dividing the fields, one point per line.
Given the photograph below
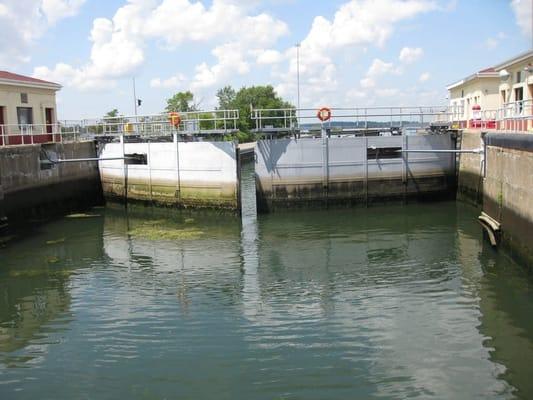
x=22 y=78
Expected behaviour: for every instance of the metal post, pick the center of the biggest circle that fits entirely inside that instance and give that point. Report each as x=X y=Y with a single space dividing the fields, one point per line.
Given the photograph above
x=175 y=140
x=325 y=162
x=298 y=79
x=135 y=99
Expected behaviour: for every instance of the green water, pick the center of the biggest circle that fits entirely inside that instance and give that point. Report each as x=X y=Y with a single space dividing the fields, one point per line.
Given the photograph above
x=387 y=302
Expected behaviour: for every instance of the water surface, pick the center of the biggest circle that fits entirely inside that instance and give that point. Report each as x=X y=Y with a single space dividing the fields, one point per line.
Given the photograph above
x=387 y=302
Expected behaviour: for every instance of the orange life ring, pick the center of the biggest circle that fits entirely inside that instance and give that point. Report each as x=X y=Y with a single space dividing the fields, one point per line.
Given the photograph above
x=324 y=114
x=174 y=119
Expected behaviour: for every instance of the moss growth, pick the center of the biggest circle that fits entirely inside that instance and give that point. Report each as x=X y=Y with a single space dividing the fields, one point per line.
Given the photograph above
x=156 y=230
x=61 y=240
x=82 y=215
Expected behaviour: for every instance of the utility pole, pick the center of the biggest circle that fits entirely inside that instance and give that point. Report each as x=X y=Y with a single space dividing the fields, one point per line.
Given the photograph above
x=134 y=97
x=298 y=45
x=298 y=71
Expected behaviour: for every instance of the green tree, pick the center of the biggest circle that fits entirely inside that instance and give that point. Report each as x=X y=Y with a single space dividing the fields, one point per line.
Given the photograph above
x=111 y=114
x=226 y=98
x=111 y=121
x=181 y=102
x=255 y=96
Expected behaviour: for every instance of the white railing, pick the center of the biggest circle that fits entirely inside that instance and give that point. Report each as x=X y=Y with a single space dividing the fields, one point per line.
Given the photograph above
x=279 y=120
x=217 y=122
x=511 y=117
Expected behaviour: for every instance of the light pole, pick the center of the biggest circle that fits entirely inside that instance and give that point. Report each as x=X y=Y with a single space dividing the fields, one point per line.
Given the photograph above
x=134 y=97
x=298 y=45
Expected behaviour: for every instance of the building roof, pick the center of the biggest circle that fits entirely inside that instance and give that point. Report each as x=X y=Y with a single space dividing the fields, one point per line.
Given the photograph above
x=10 y=78
x=484 y=73
x=519 y=58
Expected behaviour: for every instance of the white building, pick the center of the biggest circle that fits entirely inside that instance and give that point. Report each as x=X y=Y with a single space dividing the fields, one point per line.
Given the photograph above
x=503 y=92
x=26 y=101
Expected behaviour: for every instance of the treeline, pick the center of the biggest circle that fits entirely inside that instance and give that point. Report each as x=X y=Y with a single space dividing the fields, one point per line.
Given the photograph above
x=228 y=99
x=231 y=99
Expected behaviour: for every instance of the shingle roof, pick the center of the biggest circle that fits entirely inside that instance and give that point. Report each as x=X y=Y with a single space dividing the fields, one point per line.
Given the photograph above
x=10 y=76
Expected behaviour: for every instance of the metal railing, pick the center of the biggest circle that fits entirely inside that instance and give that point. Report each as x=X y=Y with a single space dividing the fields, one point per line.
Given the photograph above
x=511 y=117
x=350 y=119
x=515 y=116
x=217 y=122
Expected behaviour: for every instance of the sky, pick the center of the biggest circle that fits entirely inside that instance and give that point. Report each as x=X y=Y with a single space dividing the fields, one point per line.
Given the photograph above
x=353 y=53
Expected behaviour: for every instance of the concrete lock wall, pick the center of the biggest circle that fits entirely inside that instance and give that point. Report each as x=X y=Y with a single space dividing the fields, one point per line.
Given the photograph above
x=470 y=182
x=508 y=191
x=336 y=171
x=31 y=187
x=183 y=174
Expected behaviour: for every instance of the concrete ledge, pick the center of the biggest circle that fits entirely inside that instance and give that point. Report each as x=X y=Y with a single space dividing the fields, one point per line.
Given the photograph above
x=517 y=141
x=29 y=188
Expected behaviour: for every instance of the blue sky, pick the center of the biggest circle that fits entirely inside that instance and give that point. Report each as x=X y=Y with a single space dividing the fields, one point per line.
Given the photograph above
x=354 y=52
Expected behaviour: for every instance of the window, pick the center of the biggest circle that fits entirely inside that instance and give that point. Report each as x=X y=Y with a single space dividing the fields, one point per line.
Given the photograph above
x=519 y=77
x=24 y=98
x=383 y=152
x=519 y=96
x=136 y=159
x=462 y=93
x=25 y=115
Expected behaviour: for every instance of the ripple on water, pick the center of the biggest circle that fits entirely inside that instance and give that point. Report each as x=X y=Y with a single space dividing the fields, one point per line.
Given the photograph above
x=388 y=303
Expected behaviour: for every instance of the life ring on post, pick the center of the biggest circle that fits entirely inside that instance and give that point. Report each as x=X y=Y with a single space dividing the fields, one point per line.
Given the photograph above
x=324 y=114
x=174 y=119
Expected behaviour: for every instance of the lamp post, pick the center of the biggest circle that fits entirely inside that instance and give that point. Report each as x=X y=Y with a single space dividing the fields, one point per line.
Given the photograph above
x=298 y=45
x=134 y=98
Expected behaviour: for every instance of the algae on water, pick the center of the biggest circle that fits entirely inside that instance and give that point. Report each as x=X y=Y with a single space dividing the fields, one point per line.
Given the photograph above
x=82 y=215
x=61 y=240
x=156 y=230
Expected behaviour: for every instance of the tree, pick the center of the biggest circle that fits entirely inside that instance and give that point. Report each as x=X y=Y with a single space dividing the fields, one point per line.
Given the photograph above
x=256 y=96
x=226 y=97
x=111 y=114
x=181 y=102
x=112 y=120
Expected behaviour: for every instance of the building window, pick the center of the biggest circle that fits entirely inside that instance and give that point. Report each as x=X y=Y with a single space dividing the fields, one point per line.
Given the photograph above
x=519 y=77
x=519 y=96
x=462 y=93
x=24 y=98
x=25 y=115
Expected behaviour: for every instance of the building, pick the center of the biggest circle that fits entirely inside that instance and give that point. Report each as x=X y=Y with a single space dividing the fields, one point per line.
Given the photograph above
x=500 y=96
x=516 y=90
x=479 y=89
x=28 y=110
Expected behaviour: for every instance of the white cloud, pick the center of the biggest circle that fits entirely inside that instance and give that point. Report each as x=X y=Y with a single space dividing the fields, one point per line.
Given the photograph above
x=367 y=83
x=176 y=81
x=23 y=22
x=266 y=57
x=410 y=55
x=380 y=67
x=59 y=9
x=523 y=15
x=118 y=44
x=424 y=77
x=388 y=92
x=356 y=24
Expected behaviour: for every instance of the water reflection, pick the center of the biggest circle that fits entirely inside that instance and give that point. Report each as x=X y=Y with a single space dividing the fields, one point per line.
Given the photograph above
x=35 y=296
x=389 y=302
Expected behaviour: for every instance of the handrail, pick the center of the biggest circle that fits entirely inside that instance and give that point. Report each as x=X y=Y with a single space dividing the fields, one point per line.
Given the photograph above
x=214 y=122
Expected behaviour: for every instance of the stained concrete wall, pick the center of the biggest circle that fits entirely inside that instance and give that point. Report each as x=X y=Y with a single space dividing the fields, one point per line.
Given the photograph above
x=336 y=171
x=508 y=194
x=31 y=188
x=182 y=174
x=470 y=182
